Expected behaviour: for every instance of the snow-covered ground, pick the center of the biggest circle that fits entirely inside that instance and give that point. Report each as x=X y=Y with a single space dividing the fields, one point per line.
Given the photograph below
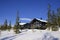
x=28 y=34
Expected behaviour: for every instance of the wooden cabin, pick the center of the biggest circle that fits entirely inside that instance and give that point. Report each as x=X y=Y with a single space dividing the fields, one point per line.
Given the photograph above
x=35 y=24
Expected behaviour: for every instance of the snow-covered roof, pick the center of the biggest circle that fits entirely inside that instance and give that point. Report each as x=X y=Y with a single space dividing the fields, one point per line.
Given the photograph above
x=31 y=20
x=22 y=23
x=41 y=20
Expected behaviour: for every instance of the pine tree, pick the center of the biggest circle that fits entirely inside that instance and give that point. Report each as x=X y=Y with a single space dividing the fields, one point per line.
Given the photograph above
x=54 y=22
x=9 y=27
x=58 y=17
x=49 y=17
x=17 y=26
x=5 y=25
x=53 y=18
x=0 y=27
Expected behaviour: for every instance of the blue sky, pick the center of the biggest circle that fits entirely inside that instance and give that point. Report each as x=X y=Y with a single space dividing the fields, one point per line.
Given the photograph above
x=27 y=9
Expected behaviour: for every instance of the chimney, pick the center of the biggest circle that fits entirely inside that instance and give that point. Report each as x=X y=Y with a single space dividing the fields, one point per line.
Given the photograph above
x=41 y=18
